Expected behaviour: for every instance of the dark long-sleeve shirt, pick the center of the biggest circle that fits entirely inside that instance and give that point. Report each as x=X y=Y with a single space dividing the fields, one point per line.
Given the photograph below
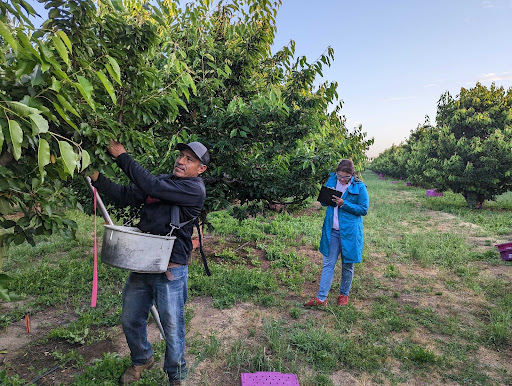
x=158 y=194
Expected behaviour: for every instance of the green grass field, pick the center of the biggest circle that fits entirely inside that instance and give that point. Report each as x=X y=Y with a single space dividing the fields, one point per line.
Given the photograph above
x=430 y=304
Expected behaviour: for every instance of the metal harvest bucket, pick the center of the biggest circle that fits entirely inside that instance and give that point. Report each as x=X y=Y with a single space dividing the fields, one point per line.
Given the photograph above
x=128 y=248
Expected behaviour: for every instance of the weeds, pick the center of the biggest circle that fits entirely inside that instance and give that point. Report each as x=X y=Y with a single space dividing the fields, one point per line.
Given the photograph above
x=11 y=381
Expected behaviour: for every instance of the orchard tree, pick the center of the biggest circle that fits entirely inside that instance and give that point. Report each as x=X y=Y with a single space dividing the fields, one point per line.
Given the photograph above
x=66 y=92
x=475 y=143
x=269 y=128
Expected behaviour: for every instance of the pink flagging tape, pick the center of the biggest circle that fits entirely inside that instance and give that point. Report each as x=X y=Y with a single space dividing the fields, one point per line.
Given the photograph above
x=95 y=271
x=261 y=378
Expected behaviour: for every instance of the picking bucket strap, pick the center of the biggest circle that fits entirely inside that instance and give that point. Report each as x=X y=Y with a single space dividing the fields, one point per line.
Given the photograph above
x=203 y=257
x=175 y=219
x=175 y=224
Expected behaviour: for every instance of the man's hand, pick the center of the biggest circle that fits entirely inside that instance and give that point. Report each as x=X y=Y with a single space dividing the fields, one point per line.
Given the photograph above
x=94 y=176
x=116 y=149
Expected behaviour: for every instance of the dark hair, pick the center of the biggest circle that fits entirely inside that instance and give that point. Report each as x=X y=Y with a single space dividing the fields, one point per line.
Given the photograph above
x=346 y=166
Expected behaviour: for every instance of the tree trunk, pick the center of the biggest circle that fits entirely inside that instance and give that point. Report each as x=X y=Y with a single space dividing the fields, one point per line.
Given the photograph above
x=474 y=200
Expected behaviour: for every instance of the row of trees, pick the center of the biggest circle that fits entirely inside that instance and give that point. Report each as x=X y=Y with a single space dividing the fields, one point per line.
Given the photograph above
x=468 y=152
x=151 y=74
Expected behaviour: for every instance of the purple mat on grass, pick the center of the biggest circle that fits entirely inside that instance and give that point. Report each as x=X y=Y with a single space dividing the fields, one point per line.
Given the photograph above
x=262 y=378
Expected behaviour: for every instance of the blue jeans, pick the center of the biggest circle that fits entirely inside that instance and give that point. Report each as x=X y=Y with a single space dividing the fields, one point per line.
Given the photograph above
x=169 y=294
x=329 y=262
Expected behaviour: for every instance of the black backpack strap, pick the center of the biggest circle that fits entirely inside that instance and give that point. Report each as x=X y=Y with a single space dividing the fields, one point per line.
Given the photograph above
x=203 y=257
x=175 y=224
x=175 y=219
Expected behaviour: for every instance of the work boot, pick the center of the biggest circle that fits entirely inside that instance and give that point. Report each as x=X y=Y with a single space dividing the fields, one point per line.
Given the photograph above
x=133 y=373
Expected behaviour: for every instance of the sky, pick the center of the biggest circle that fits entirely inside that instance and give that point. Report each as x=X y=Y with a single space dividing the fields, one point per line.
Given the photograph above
x=393 y=59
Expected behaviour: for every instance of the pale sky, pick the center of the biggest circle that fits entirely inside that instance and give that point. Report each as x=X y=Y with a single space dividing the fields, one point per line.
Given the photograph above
x=394 y=58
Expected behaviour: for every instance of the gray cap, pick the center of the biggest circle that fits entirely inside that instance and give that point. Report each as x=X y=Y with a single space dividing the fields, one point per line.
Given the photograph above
x=198 y=149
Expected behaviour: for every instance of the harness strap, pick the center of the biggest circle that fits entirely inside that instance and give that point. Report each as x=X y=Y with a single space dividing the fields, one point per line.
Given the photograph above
x=175 y=224
x=175 y=219
x=203 y=257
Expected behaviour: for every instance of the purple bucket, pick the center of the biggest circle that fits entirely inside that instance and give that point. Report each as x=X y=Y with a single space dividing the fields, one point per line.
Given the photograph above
x=505 y=251
x=434 y=193
x=268 y=378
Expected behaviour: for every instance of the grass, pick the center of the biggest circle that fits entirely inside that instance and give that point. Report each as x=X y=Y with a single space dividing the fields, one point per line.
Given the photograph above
x=430 y=297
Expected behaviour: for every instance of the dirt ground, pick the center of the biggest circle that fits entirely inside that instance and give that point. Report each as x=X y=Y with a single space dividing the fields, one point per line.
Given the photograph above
x=25 y=354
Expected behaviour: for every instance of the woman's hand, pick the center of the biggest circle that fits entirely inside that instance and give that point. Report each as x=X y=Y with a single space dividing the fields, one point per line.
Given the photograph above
x=337 y=200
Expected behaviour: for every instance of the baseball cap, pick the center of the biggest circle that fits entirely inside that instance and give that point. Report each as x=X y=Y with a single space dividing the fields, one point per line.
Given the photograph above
x=198 y=149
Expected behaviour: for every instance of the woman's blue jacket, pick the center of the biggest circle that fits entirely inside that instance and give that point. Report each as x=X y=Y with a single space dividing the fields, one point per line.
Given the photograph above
x=350 y=218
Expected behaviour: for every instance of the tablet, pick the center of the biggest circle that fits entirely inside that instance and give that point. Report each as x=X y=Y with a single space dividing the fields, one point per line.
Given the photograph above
x=325 y=195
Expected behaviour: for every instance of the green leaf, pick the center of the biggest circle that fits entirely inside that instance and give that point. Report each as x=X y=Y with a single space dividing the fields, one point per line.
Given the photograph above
x=43 y=155
x=37 y=77
x=25 y=43
x=85 y=89
x=22 y=109
x=54 y=13
x=86 y=160
x=5 y=207
x=56 y=85
x=58 y=70
x=4 y=279
x=61 y=48
x=118 y=5
x=6 y=34
x=68 y=156
x=66 y=40
x=113 y=69
x=48 y=209
x=47 y=53
x=86 y=85
x=39 y=124
x=64 y=116
x=108 y=85
x=64 y=102
x=16 y=138
x=4 y=294
x=184 y=90
x=192 y=84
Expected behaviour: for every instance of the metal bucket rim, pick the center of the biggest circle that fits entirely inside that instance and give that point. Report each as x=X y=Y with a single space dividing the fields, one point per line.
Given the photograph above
x=125 y=229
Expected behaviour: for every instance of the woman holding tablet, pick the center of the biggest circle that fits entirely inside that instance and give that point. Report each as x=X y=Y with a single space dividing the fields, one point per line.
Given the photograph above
x=342 y=232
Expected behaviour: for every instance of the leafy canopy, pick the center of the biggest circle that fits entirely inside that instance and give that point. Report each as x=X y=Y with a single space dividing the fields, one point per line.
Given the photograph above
x=152 y=74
